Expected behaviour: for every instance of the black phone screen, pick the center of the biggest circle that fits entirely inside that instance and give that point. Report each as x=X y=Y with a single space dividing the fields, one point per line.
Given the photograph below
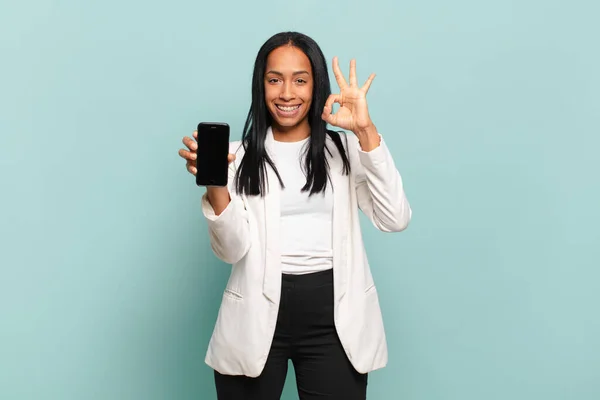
x=213 y=149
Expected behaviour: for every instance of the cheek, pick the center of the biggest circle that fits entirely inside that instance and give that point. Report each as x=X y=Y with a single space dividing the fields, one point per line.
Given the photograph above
x=270 y=94
x=307 y=95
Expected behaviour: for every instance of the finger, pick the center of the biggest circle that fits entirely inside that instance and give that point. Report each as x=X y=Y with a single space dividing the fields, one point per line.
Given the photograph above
x=353 y=80
x=339 y=77
x=190 y=143
x=188 y=155
x=332 y=99
x=230 y=158
x=195 y=134
x=327 y=115
x=367 y=84
x=191 y=169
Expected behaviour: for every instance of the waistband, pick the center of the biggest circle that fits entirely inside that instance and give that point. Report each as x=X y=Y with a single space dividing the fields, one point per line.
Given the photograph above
x=308 y=280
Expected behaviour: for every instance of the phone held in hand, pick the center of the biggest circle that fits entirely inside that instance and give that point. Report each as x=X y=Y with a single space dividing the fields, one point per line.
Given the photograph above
x=213 y=149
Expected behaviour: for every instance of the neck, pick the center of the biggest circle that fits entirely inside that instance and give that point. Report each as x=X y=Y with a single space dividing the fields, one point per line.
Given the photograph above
x=291 y=133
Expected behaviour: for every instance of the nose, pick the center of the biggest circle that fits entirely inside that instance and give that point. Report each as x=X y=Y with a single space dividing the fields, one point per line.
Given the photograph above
x=287 y=92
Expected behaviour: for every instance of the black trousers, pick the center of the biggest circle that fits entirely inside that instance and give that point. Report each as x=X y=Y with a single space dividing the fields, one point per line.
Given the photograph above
x=305 y=333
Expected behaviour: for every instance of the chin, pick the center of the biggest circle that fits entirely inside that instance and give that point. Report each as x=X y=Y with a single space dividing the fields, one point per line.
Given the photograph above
x=287 y=123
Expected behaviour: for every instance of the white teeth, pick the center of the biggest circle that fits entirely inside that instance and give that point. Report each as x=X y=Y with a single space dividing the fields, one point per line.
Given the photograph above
x=282 y=108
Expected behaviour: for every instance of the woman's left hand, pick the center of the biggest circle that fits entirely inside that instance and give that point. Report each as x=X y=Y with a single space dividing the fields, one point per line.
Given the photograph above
x=353 y=113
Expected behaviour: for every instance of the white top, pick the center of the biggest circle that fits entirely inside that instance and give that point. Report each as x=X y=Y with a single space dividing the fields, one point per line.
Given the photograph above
x=306 y=222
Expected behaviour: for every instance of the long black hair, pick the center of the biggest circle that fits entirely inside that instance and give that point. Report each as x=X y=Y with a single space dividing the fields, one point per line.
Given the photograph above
x=251 y=174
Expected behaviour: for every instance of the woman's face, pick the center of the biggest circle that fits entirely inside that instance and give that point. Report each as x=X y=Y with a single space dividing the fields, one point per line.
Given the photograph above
x=288 y=87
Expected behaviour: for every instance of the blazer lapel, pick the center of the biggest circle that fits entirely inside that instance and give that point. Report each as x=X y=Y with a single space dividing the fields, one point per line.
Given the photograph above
x=272 y=203
x=341 y=188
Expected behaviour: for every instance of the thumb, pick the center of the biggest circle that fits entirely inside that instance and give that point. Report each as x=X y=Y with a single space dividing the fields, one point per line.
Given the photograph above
x=327 y=116
x=230 y=158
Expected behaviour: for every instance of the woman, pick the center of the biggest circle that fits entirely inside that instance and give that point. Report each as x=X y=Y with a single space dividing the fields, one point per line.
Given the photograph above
x=300 y=286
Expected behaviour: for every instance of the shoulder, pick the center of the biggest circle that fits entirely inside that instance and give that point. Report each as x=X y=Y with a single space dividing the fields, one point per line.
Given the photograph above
x=350 y=145
x=237 y=148
x=348 y=139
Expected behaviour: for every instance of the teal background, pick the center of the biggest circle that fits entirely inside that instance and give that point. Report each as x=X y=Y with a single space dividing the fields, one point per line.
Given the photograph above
x=108 y=287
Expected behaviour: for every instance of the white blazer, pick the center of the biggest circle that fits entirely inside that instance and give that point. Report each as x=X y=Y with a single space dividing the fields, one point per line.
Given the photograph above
x=246 y=235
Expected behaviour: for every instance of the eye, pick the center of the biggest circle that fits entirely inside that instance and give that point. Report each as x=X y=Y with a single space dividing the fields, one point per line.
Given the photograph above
x=301 y=81
x=273 y=80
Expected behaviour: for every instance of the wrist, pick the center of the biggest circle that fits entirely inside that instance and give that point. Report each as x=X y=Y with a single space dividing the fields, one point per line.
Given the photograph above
x=218 y=197
x=368 y=137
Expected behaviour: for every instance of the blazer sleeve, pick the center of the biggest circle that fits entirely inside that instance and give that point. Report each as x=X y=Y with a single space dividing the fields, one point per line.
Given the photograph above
x=379 y=188
x=229 y=231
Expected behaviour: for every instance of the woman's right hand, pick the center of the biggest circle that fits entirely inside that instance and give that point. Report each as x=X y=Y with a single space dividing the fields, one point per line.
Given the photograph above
x=218 y=197
x=190 y=154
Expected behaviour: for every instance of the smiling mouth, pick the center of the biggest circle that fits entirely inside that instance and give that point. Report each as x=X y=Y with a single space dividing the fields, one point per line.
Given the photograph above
x=288 y=108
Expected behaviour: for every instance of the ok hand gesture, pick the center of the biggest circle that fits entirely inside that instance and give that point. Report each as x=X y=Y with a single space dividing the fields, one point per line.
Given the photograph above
x=353 y=113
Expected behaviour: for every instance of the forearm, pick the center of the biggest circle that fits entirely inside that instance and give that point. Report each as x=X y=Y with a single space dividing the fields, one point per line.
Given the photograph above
x=228 y=229
x=380 y=188
x=218 y=198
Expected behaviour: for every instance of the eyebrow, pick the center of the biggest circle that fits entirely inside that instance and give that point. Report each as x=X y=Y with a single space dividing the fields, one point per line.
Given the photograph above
x=294 y=74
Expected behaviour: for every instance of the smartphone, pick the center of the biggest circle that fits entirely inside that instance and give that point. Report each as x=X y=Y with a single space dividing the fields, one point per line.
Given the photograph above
x=213 y=148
